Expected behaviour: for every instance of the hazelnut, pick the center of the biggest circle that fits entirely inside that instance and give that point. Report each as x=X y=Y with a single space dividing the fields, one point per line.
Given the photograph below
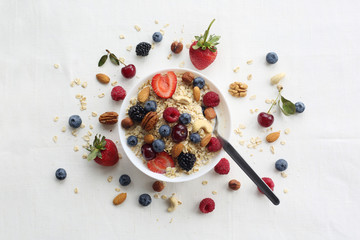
x=234 y=184
x=176 y=47
x=127 y=123
x=149 y=138
x=158 y=186
x=188 y=77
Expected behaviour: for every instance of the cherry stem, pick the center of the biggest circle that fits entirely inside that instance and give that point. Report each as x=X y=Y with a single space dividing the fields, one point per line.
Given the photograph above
x=274 y=102
x=116 y=58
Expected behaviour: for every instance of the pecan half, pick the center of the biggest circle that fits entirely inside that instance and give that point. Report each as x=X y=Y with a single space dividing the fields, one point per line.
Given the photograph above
x=149 y=121
x=108 y=118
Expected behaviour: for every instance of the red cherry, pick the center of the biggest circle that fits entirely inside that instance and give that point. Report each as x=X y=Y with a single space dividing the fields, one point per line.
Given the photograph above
x=179 y=133
x=148 y=152
x=128 y=71
x=265 y=119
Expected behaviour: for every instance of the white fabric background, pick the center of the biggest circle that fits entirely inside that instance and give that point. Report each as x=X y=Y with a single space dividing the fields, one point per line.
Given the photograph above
x=318 y=46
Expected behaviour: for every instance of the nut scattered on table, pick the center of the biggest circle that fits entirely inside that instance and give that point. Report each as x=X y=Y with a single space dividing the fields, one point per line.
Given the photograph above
x=103 y=78
x=234 y=184
x=108 y=118
x=276 y=79
x=158 y=186
x=119 y=199
x=272 y=137
x=238 y=89
x=174 y=202
x=176 y=47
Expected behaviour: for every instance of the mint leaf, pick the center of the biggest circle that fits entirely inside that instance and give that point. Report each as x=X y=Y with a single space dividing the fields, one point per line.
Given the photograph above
x=102 y=60
x=114 y=59
x=288 y=108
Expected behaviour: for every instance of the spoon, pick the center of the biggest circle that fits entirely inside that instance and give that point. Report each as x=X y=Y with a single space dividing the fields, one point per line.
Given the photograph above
x=245 y=167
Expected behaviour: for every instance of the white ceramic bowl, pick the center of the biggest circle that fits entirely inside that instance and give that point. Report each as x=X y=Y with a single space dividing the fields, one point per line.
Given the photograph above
x=223 y=114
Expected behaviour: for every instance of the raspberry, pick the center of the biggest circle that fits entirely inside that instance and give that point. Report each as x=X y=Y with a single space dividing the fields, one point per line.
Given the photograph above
x=118 y=93
x=211 y=99
x=171 y=114
x=207 y=205
x=214 y=145
x=268 y=182
x=223 y=167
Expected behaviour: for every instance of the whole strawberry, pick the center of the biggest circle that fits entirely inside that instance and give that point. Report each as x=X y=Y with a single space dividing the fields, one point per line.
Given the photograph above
x=203 y=51
x=103 y=151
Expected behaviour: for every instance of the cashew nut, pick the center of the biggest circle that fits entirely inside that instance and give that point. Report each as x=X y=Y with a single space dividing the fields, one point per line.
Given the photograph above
x=276 y=79
x=173 y=204
x=204 y=124
x=182 y=99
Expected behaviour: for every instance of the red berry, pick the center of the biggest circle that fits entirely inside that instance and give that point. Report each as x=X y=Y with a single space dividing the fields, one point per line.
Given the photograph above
x=179 y=133
x=265 y=119
x=268 y=182
x=223 y=167
x=128 y=71
x=160 y=163
x=211 y=99
x=207 y=205
x=164 y=85
x=148 y=152
x=118 y=93
x=214 y=145
x=171 y=114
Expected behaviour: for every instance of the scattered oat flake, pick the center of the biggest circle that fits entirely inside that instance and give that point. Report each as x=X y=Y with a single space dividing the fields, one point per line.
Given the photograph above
x=86 y=138
x=182 y=64
x=251 y=111
x=242 y=142
x=152 y=45
x=77 y=81
x=284 y=174
x=91 y=126
x=170 y=55
x=156 y=21
x=129 y=48
x=84 y=156
x=82 y=125
x=120 y=156
x=78 y=96
x=56 y=66
x=253 y=97
x=251 y=155
x=156 y=196
x=182 y=29
x=260 y=150
x=76 y=190
x=101 y=95
x=94 y=114
x=55 y=138
x=89 y=133
x=84 y=84
x=121 y=36
x=63 y=129
x=72 y=83
x=114 y=83
x=256 y=110
x=285 y=191
x=204 y=182
x=236 y=69
x=171 y=220
x=166 y=25
x=268 y=101
x=164 y=197
x=137 y=28
x=242 y=126
x=272 y=149
x=117 y=189
x=249 y=62
x=287 y=131
x=110 y=178
x=56 y=119
x=162 y=32
x=76 y=148
x=282 y=142
x=214 y=192
x=74 y=133
x=249 y=77
x=187 y=45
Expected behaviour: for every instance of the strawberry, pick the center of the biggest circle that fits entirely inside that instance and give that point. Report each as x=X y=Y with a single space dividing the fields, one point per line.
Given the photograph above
x=160 y=163
x=203 y=52
x=103 y=151
x=164 y=85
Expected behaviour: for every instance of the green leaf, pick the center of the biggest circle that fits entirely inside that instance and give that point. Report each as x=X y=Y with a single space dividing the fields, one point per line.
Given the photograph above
x=102 y=60
x=93 y=155
x=196 y=47
x=288 y=108
x=114 y=59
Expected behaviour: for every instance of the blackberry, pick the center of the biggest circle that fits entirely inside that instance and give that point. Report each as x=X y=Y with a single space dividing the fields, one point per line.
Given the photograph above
x=136 y=113
x=186 y=161
x=143 y=48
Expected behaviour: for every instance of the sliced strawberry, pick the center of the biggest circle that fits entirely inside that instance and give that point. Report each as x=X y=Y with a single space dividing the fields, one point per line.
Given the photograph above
x=160 y=163
x=164 y=85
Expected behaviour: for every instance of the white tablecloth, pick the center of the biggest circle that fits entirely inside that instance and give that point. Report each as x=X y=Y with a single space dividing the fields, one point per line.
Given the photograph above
x=318 y=47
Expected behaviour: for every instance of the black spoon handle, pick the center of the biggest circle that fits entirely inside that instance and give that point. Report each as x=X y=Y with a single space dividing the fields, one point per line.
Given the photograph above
x=249 y=171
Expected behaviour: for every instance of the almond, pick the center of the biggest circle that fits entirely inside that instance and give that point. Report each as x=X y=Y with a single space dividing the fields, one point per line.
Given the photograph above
x=176 y=150
x=149 y=138
x=144 y=94
x=210 y=113
x=102 y=78
x=276 y=79
x=196 y=93
x=127 y=123
x=205 y=141
x=119 y=199
x=272 y=137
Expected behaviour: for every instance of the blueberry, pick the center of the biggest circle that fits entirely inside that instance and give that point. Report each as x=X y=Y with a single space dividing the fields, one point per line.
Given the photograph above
x=300 y=107
x=150 y=106
x=281 y=165
x=195 y=138
x=203 y=109
x=157 y=37
x=165 y=130
x=158 y=145
x=185 y=118
x=75 y=121
x=132 y=141
x=145 y=199
x=124 y=180
x=199 y=82
x=272 y=57
x=60 y=174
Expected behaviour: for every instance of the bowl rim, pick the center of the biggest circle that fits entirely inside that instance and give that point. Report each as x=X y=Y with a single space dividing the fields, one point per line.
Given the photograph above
x=130 y=154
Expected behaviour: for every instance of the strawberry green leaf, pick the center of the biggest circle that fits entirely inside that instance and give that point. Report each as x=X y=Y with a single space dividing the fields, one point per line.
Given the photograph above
x=93 y=154
x=203 y=43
